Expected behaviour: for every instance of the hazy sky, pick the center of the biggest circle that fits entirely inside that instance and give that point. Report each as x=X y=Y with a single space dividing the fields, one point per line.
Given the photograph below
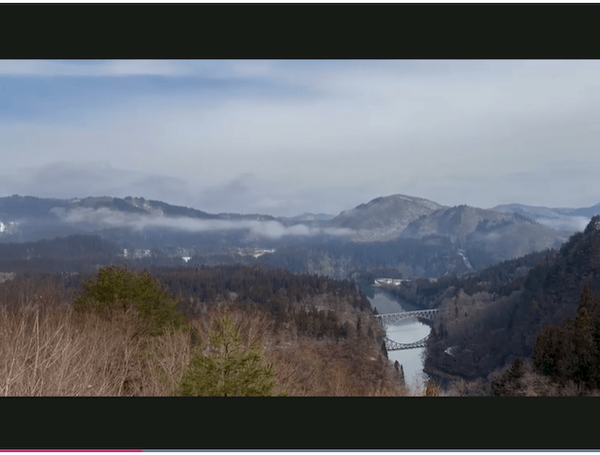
x=287 y=137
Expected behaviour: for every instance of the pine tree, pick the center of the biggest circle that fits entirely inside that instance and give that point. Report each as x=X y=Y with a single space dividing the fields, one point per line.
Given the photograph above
x=359 y=327
x=570 y=352
x=384 y=349
x=587 y=298
x=400 y=369
x=226 y=369
x=584 y=357
x=116 y=289
x=510 y=383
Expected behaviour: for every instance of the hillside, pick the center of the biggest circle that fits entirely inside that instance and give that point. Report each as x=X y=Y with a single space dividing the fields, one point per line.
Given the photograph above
x=457 y=223
x=383 y=218
x=94 y=335
x=567 y=219
x=415 y=237
x=488 y=322
x=486 y=236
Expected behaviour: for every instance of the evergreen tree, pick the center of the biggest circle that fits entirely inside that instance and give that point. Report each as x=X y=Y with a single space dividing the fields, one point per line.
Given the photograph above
x=117 y=289
x=226 y=369
x=583 y=359
x=548 y=350
x=570 y=352
x=384 y=349
x=359 y=327
x=587 y=299
x=400 y=370
x=510 y=383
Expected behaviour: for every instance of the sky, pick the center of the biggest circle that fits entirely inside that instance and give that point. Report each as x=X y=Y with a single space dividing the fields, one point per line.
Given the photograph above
x=284 y=137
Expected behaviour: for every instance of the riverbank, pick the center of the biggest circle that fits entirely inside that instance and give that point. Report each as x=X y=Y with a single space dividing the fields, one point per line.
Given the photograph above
x=405 y=331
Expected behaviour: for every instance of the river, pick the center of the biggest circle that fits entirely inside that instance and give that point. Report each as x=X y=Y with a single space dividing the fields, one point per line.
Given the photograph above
x=405 y=331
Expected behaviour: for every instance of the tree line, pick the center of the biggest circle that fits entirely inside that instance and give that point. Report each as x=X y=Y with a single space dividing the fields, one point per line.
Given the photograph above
x=495 y=316
x=190 y=331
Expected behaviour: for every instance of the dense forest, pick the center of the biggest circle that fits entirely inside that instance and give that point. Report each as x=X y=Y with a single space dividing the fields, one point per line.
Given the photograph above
x=127 y=332
x=499 y=315
x=565 y=358
x=410 y=258
x=491 y=318
x=564 y=361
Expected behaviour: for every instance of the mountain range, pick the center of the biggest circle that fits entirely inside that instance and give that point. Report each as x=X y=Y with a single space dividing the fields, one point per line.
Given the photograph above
x=567 y=219
x=470 y=237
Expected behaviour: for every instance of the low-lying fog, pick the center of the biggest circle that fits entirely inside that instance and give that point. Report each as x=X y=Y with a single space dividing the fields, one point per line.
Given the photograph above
x=105 y=217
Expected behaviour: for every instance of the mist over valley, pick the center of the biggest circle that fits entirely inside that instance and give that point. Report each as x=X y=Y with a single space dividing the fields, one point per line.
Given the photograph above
x=415 y=236
x=366 y=224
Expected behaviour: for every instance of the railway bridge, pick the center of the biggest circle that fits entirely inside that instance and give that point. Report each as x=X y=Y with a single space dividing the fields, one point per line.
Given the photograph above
x=392 y=345
x=392 y=318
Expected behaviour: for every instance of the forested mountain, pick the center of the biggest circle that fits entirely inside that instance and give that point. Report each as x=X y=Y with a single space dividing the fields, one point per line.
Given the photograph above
x=26 y=207
x=414 y=236
x=383 y=218
x=486 y=236
x=449 y=256
x=306 y=218
x=535 y=212
x=74 y=253
x=568 y=219
x=494 y=316
x=408 y=258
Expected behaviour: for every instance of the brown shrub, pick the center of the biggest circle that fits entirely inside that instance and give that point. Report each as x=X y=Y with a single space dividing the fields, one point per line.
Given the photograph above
x=57 y=352
x=48 y=349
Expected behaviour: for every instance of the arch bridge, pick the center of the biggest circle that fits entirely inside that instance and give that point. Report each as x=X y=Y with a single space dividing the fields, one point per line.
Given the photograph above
x=392 y=345
x=392 y=318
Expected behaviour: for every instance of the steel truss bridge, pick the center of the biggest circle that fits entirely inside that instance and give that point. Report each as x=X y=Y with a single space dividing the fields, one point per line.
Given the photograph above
x=392 y=345
x=392 y=318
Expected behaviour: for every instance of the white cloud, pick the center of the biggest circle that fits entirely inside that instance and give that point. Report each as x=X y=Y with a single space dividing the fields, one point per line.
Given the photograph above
x=569 y=224
x=213 y=69
x=266 y=229
x=95 y=68
x=451 y=131
x=93 y=178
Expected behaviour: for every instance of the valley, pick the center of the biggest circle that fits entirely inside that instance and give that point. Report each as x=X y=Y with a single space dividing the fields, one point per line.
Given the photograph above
x=480 y=266
x=414 y=237
x=382 y=228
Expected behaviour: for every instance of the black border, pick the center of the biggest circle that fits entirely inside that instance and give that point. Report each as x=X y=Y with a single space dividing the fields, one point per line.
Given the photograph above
x=300 y=423
x=299 y=31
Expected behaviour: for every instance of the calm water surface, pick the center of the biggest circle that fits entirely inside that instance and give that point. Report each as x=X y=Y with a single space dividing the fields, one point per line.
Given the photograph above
x=405 y=331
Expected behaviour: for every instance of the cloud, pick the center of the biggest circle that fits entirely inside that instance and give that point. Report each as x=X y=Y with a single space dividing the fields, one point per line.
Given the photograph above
x=93 y=178
x=208 y=69
x=286 y=137
x=569 y=224
x=92 y=68
x=105 y=217
x=237 y=192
